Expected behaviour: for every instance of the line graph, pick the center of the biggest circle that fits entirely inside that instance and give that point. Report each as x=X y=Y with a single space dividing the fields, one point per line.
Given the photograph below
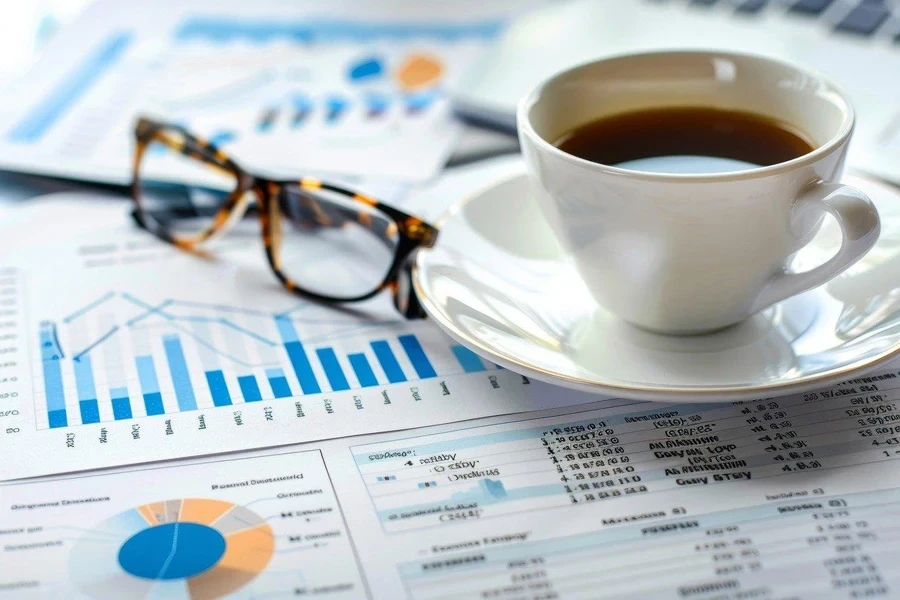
x=121 y=357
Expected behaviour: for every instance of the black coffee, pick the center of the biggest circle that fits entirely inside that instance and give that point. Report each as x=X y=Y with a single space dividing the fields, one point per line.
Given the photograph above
x=685 y=140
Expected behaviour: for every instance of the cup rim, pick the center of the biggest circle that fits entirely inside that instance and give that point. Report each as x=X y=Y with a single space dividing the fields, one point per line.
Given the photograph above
x=524 y=126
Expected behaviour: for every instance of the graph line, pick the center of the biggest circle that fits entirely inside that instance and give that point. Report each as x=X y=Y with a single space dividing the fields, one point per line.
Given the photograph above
x=96 y=342
x=158 y=310
x=148 y=307
x=240 y=329
x=204 y=343
x=89 y=307
x=224 y=308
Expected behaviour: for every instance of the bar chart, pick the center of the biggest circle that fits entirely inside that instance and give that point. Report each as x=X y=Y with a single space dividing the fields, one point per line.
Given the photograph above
x=121 y=357
x=118 y=349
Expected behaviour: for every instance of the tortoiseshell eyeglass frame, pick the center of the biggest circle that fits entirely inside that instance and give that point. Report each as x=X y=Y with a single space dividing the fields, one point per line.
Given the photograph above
x=412 y=233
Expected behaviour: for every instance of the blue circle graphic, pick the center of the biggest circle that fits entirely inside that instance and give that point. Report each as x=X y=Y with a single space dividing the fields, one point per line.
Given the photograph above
x=172 y=551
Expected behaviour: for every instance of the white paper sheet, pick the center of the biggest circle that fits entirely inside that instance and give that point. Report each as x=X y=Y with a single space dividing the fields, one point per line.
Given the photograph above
x=793 y=497
x=248 y=528
x=782 y=497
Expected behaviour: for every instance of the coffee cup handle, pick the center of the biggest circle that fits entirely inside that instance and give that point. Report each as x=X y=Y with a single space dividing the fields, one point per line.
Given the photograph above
x=860 y=226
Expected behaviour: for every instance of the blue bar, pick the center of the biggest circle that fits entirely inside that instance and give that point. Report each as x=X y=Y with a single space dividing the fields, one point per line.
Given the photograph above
x=87 y=393
x=147 y=374
x=90 y=412
x=388 y=361
x=217 y=388
x=333 y=370
x=181 y=378
x=121 y=405
x=53 y=385
x=363 y=371
x=149 y=386
x=57 y=418
x=297 y=356
x=75 y=85
x=371 y=67
x=334 y=108
x=279 y=383
x=417 y=356
x=249 y=388
x=153 y=404
x=468 y=359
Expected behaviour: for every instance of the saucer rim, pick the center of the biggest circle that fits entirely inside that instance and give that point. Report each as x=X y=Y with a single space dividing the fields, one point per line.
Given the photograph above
x=633 y=392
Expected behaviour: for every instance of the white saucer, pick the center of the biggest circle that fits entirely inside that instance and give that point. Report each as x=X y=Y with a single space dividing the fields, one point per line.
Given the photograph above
x=499 y=283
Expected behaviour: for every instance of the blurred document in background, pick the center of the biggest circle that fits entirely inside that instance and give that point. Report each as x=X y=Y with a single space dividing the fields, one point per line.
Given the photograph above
x=287 y=88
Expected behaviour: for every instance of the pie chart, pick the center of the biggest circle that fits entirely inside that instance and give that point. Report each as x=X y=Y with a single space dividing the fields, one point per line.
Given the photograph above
x=193 y=548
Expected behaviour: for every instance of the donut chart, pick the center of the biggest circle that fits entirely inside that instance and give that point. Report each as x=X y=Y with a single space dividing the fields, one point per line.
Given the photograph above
x=193 y=548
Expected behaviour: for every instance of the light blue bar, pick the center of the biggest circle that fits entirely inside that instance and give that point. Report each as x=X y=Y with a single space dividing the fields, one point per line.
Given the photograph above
x=223 y=30
x=417 y=357
x=468 y=360
x=333 y=370
x=147 y=374
x=249 y=388
x=181 y=378
x=84 y=378
x=75 y=85
x=286 y=329
x=420 y=101
x=335 y=106
x=121 y=404
x=297 y=355
x=377 y=104
x=302 y=107
x=302 y=104
x=53 y=384
x=363 y=370
x=388 y=361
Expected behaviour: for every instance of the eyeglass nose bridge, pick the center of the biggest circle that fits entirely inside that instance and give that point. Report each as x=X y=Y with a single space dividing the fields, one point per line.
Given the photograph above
x=234 y=213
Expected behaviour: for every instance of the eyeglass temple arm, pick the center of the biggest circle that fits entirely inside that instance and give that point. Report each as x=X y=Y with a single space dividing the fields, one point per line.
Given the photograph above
x=181 y=140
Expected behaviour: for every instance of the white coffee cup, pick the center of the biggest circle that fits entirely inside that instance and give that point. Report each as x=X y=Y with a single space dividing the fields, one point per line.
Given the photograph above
x=690 y=253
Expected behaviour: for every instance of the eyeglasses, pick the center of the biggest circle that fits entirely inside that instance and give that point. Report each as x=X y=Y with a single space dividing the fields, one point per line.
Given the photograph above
x=322 y=241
